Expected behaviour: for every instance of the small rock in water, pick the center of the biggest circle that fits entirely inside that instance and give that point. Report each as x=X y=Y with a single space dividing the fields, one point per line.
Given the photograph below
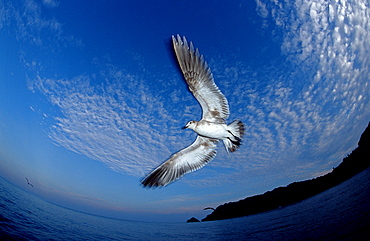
x=192 y=220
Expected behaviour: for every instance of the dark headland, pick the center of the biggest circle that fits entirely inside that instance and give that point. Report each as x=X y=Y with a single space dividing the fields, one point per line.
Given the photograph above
x=351 y=165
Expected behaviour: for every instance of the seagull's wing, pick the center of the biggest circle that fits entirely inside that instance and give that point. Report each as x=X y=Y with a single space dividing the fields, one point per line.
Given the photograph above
x=199 y=78
x=187 y=160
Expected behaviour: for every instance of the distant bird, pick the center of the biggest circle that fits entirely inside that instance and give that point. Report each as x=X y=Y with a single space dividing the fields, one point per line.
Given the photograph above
x=29 y=182
x=211 y=128
x=209 y=208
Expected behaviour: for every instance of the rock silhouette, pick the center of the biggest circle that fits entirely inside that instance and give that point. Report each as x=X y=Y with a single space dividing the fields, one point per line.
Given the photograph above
x=192 y=220
x=353 y=164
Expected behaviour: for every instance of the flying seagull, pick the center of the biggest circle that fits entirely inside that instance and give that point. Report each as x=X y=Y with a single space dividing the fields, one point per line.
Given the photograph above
x=29 y=182
x=211 y=128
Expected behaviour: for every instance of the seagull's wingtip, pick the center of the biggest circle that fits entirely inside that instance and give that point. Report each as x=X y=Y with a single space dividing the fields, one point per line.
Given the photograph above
x=149 y=185
x=176 y=40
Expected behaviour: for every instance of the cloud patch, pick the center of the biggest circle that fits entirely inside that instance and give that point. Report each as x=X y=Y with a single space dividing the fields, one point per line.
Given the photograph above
x=306 y=114
x=296 y=112
x=122 y=124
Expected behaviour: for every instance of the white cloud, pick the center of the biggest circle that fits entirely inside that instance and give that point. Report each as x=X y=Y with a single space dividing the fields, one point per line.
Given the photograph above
x=293 y=118
x=50 y=3
x=29 y=26
x=311 y=116
x=261 y=9
x=119 y=124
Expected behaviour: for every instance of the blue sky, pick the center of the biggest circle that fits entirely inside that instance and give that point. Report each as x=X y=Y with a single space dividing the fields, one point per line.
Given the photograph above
x=92 y=98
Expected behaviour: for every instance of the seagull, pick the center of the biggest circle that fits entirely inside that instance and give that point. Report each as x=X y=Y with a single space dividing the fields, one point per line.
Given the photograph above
x=210 y=129
x=29 y=182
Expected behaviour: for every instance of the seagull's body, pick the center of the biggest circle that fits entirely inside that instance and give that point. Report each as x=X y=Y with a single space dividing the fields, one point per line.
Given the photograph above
x=29 y=182
x=211 y=128
x=218 y=131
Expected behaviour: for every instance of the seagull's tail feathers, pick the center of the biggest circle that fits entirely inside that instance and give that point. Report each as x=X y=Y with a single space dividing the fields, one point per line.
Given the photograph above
x=236 y=129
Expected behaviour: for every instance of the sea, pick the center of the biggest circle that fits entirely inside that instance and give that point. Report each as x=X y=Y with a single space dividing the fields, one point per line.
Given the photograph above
x=340 y=213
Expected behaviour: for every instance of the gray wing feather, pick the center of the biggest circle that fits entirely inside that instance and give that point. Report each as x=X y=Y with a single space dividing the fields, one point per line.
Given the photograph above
x=199 y=78
x=187 y=160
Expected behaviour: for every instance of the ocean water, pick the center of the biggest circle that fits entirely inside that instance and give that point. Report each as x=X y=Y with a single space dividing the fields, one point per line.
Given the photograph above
x=340 y=213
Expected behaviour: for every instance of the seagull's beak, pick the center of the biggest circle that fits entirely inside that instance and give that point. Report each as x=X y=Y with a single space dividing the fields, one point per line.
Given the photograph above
x=185 y=127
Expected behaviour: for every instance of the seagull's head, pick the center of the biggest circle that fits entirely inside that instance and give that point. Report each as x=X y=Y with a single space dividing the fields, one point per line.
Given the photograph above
x=190 y=125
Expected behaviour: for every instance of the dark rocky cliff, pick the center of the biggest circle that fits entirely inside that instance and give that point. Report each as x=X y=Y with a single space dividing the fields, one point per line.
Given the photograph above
x=354 y=163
